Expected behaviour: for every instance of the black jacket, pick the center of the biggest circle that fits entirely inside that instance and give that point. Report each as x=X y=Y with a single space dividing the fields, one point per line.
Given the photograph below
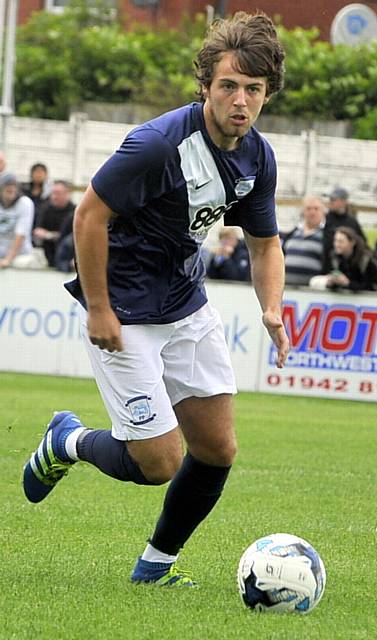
x=237 y=267
x=333 y=221
x=362 y=276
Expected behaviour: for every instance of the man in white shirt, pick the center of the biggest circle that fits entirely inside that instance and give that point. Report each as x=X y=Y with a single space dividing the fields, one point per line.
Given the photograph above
x=16 y=222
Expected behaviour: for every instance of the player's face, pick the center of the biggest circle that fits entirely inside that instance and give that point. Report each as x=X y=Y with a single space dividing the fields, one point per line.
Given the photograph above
x=233 y=102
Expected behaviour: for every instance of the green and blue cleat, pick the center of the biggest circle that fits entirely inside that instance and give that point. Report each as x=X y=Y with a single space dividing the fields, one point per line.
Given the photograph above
x=160 y=574
x=50 y=462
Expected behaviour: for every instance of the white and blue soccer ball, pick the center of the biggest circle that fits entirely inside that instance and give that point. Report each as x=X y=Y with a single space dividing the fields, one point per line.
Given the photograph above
x=281 y=573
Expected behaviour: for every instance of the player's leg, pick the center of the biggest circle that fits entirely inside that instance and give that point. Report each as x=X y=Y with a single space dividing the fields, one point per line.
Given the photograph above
x=207 y=424
x=144 y=445
x=150 y=461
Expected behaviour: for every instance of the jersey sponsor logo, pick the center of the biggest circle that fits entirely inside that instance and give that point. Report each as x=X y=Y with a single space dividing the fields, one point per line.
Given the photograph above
x=140 y=410
x=244 y=186
x=206 y=217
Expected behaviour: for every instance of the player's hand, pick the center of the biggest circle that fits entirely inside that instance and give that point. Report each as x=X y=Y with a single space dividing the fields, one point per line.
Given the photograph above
x=275 y=327
x=104 y=330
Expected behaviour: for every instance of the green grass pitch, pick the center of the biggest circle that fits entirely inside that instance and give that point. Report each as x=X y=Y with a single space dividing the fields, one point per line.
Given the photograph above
x=305 y=466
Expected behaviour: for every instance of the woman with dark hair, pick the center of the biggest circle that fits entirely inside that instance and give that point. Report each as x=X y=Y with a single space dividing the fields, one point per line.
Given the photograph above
x=353 y=264
x=38 y=188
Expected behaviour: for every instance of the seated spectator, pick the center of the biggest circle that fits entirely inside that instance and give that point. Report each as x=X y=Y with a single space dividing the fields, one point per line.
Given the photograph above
x=38 y=188
x=16 y=221
x=353 y=265
x=65 y=250
x=52 y=216
x=230 y=260
x=303 y=246
x=339 y=215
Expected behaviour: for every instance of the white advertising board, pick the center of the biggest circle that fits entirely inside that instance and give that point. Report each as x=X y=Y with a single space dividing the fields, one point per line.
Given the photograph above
x=333 y=336
x=39 y=325
x=40 y=329
x=333 y=350
x=242 y=318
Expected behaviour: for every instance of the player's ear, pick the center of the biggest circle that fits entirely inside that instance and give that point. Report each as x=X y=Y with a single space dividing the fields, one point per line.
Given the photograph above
x=205 y=91
x=266 y=99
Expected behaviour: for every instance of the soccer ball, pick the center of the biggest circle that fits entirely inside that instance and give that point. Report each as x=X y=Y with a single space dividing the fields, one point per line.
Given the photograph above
x=281 y=573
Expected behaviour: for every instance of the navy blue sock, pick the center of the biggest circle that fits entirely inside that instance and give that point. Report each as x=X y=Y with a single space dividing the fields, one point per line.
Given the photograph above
x=109 y=455
x=192 y=494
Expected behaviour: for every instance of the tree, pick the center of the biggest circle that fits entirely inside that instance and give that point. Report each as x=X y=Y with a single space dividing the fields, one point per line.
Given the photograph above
x=83 y=54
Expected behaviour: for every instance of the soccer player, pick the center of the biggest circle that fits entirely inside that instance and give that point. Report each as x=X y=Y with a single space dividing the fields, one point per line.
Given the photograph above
x=156 y=345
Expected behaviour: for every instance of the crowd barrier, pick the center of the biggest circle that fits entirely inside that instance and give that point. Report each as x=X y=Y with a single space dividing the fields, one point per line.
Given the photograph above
x=333 y=336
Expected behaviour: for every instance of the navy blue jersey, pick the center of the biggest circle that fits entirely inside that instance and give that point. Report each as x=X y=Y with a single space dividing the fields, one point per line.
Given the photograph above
x=167 y=185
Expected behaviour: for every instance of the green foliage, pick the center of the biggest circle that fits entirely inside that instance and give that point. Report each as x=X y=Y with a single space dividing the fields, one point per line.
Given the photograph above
x=107 y=65
x=326 y=82
x=83 y=54
x=44 y=83
x=366 y=127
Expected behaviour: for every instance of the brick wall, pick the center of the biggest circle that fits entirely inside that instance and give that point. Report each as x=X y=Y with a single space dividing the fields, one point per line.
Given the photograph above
x=298 y=13
x=26 y=7
x=169 y=11
x=293 y=12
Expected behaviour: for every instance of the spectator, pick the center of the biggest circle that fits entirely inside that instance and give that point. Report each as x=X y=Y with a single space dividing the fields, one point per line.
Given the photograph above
x=338 y=215
x=16 y=220
x=52 y=216
x=38 y=188
x=65 y=251
x=352 y=264
x=230 y=260
x=303 y=246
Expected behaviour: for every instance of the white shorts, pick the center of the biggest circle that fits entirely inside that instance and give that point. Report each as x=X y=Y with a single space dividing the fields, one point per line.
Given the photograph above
x=160 y=366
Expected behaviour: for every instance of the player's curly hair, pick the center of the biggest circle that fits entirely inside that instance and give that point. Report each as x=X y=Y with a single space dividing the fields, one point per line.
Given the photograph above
x=254 y=41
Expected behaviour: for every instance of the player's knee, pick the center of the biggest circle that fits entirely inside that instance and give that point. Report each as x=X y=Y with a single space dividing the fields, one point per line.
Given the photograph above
x=225 y=455
x=161 y=469
x=220 y=453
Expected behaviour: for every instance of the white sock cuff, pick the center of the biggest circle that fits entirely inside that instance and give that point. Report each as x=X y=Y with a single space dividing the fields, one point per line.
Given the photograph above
x=71 y=441
x=154 y=555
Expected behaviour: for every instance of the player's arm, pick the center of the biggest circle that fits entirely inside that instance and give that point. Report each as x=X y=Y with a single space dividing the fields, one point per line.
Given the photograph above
x=91 y=244
x=267 y=267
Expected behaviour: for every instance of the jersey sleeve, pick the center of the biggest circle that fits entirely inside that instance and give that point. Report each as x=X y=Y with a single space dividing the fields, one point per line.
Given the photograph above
x=139 y=171
x=256 y=213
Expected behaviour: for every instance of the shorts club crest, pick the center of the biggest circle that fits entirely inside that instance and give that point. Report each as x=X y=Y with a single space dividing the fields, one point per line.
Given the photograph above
x=140 y=410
